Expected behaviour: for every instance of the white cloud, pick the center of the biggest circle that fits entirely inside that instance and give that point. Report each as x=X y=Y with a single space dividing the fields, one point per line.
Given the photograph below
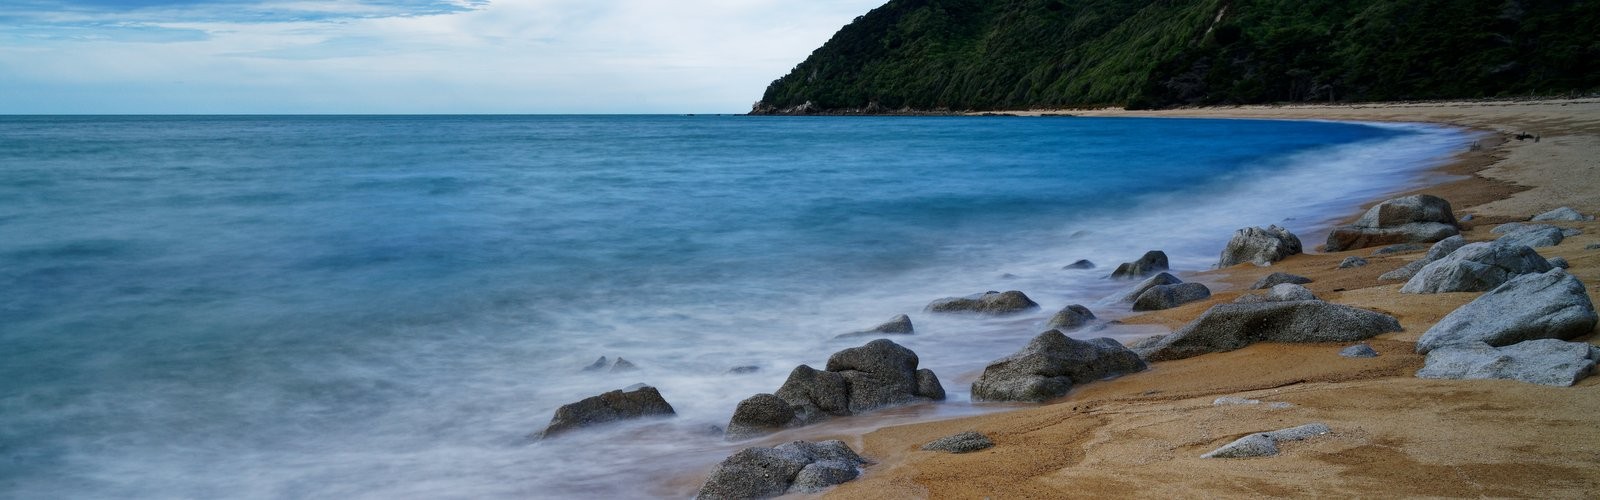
x=510 y=56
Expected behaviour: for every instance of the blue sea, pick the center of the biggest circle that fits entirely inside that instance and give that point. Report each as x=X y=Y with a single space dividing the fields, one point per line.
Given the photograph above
x=387 y=306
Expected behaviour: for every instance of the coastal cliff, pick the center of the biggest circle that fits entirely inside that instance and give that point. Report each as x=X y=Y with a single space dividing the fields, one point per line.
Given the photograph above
x=920 y=56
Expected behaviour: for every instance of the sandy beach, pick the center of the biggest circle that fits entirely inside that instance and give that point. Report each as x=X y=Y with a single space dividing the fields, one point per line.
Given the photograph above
x=1392 y=433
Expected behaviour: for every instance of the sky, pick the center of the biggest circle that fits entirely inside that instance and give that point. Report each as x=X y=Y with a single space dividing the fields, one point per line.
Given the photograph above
x=404 y=56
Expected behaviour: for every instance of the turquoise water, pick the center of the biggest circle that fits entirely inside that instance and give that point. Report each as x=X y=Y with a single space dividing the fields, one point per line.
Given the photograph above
x=385 y=306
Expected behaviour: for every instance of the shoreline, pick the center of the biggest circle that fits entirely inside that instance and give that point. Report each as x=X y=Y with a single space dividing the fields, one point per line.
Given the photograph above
x=1142 y=433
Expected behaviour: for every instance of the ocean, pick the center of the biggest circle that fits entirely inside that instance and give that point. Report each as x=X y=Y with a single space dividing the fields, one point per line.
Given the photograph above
x=388 y=306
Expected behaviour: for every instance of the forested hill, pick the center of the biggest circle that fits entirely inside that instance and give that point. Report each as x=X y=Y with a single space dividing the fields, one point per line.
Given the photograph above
x=1015 y=54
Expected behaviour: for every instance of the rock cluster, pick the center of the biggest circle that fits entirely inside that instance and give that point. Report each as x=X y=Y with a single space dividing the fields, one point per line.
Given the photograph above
x=1411 y=219
x=640 y=402
x=1476 y=267
x=990 y=303
x=1259 y=246
x=1226 y=327
x=795 y=467
x=1152 y=262
x=859 y=379
x=1050 y=365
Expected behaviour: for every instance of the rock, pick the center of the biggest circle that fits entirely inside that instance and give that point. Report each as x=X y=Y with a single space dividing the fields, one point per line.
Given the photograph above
x=815 y=395
x=1226 y=327
x=1559 y=263
x=742 y=370
x=1352 y=261
x=1535 y=236
x=900 y=325
x=965 y=442
x=1549 y=305
x=760 y=415
x=597 y=365
x=609 y=407
x=1359 y=351
x=1050 y=365
x=1281 y=292
x=1170 y=296
x=1437 y=251
x=1152 y=262
x=1562 y=214
x=1544 y=362
x=1080 y=264
x=881 y=373
x=1259 y=246
x=1145 y=342
x=1401 y=248
x=992 y=303
x=1233 y=401
x=1070 y=318
x=1476 y=267
x=623 y=366
x=1404 y=272
x=1410 y=219
x=1264 y=444
x=928 y=385
x=1132 y=293
x=796 y=467
x=1270 y=280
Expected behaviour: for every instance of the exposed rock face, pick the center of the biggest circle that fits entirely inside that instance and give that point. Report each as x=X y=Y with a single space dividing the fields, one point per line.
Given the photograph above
x=1226 y=327
x=1152 y=262
x=1359 y=351
x=1259 y=246
x=1544 y=362
x=1437 y=251
x=900 y=325
x=1352 y=261
x=1263 y=444
x=1170 y=296
x=1080 y=264
x=1476 y=267
x=1549 y=305
x=1562 y=214
x=1132 y=293
x=1401 y=248
x=796 y=467
x=992 y=303
x=859 y=379
x=1070 y=318
x=1270 y=280
x=965 y=442
x=609 y=407
x=1535 y=236
x=1050 y=365
x=1411 y=219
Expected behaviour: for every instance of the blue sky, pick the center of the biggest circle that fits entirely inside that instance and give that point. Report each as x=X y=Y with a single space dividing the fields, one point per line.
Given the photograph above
x=404 y=56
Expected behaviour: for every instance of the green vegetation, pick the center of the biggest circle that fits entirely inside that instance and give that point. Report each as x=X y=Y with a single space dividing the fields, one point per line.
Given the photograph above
x=1013 y=54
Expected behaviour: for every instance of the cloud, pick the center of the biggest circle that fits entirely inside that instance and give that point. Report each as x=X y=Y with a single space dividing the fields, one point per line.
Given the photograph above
x=407 y=56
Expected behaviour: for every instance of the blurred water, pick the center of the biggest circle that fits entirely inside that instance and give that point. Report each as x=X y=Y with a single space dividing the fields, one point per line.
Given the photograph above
x=385 y=306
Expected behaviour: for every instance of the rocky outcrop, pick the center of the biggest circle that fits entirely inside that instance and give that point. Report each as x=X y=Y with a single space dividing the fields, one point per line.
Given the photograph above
x=856 y=380
x=1132 y=293
x=1549 y=305
x=1532 y=235
x=1050 y=365
x=1283 y=292
x=1562 y=214
x=1273 y=279
x=1080 y=264
x=1352 y=261
x=795 y=467
x=1476 y=267
x=1410 y=219
x=1226 y=327
x=900 y=325
x=1544 y=362
x=1259 y=246
x=965 y=442
x=1263 y=444
x=990 y=303
x=610 y=407
x=1069 y=318
x=1152 y=262
x=1358 y=351
x=1169 y=296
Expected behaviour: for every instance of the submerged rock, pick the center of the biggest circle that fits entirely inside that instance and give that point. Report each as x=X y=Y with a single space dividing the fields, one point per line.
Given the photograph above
x=965 y=442
x=1273 y=279
x=623 y=366
x=1476 y=267
x=1226 y=327
x=1263 y=444
x=742 y=370
x=1152 y=262
x=1080 y=264
x=1259 y=246
x=991 y=303
x=900 y=325
x=1410 y=219
x=796 y=467
x=1562 y=214
x=1544 y=362
x=1549 y=305
x=597 y=365
x=1352 y=261
x=609 y=407
x=1071 y=317
x=1050 y=365
x=1169 y=296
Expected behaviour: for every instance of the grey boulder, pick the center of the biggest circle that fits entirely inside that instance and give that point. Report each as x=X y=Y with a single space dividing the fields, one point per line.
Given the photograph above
x=1437 y=251
x=1273 y=279
x=796 y=467
x=1562 y=214
x=1153 y=261
x=1132 y=293
x=990 y=303
x=1544 y=362
x=965 y=442
x=1170 y=296
x=900 y=325
x=1263 y=444
x=1411 y=219
x=1259 y=246
x=1549 y=305
x=760 y=415
x=1535 y=235
x=1226 y=327
x=1476 y=267
x=1072 y=317
x=610 y=407
x=1050 y=365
